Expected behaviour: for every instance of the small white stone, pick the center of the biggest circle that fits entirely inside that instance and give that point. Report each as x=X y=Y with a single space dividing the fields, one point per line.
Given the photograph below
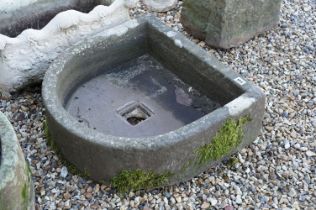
x=297 y=146
x=241 y=160
x=248 y=170
x=67 y=204
x=205 y=205
x=212 y=200
x=238 y=199
x=310 y=153
x=292 y=192
x=178 y=199
x=64 y=172
x=287 y=144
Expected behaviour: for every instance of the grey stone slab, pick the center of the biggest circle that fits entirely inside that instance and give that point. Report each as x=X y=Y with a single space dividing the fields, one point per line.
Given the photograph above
x=229 y=23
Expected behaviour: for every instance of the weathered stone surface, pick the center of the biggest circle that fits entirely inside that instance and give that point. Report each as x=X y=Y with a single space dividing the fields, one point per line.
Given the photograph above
x=16 y=188
x=160 y=5
x=18 y=15
x=25 y=58
x=171 y=156
x=229 y=23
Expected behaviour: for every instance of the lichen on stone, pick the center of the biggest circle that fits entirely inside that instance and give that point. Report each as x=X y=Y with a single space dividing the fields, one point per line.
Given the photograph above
x=227 y=138
x=139 y=179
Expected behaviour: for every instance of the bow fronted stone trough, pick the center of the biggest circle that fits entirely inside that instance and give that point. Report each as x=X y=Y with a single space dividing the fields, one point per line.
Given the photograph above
x=140 y=106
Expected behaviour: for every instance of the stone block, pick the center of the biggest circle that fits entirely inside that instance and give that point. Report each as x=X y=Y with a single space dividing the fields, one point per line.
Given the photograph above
x=229 y=23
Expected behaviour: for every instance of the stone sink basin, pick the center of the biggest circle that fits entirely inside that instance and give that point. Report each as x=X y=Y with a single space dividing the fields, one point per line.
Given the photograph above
x=140 y=106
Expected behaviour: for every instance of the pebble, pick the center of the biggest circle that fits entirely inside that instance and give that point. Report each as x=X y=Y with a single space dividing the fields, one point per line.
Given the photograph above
x=292 y=192
x=64 y=172
x=310 y=153
x=229 y=208
x=238 y=199
x=287 y=144
x=205 y=205
x=178 y=199
x=213 y=201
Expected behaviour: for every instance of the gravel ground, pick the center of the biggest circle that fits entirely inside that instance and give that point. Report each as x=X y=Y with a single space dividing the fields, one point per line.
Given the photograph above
x=276 y=171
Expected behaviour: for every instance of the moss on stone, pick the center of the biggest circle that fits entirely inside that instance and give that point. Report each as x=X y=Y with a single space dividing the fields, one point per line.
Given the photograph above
x=70 y=167
x=25 y=194
x=138 y=179
x=186 y=166
x=226 y=139
x=48 y=137
x=232 y=162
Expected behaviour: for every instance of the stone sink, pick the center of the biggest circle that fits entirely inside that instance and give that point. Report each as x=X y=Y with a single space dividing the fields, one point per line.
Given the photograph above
x=140 y=106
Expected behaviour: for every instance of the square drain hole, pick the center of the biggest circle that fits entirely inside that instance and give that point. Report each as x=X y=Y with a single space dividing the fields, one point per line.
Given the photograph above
x=135 y=113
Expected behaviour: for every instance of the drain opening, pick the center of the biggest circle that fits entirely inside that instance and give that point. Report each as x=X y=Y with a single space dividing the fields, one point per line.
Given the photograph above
x=135 y=120
x=135 y=113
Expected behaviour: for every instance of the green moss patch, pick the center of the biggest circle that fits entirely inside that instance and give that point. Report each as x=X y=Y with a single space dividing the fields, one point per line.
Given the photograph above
x=226 y=139
x=48 y=136
x=232 y=162
x=138 y=179
x=25 y=194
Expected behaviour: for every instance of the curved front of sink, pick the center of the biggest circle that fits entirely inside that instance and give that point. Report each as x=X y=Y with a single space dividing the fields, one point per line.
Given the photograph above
x=142 y=102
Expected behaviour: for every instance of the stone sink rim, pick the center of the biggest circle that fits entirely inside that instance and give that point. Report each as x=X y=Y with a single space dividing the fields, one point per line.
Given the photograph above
x=65 y=119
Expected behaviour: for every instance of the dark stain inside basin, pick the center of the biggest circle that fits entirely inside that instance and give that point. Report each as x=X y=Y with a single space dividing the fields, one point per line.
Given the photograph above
x=138 y=98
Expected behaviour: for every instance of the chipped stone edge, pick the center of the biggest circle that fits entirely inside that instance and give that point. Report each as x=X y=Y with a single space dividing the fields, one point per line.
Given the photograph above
x=239 y=105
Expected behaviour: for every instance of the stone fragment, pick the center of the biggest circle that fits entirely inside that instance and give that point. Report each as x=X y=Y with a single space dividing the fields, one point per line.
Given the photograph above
x=310 y=153
x=229 y=23
x=213 y=201
x=205 y=205
x=287 y=144
x=64 y=172
x=238 y=199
